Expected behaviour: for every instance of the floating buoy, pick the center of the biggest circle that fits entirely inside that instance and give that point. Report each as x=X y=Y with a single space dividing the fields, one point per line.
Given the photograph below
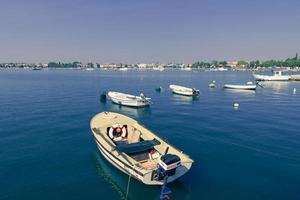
x=236 y=105
x=294 y=91
x=159 y=89
x=103 y=97
x=212 y=85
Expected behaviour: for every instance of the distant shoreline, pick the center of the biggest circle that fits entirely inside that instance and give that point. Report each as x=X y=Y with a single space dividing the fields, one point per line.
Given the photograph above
x=296 y=69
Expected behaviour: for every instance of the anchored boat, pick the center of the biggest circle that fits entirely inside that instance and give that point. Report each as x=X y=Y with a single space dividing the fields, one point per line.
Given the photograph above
x=248 y=86
x=177 y=89
x=136 y=151
x=277 y=76
x=129 y=100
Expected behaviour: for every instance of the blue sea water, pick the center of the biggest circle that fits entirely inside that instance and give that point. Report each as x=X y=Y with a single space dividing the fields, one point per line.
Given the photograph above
x=47 y=150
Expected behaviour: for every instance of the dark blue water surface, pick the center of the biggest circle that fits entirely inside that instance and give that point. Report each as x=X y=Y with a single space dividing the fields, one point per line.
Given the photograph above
x=47 y=150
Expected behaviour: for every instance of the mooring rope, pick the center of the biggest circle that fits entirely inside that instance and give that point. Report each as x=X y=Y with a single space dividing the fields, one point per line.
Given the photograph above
x=127 y=191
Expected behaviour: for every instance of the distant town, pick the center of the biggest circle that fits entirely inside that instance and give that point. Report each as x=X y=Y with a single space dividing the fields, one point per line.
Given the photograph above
x=289 y=63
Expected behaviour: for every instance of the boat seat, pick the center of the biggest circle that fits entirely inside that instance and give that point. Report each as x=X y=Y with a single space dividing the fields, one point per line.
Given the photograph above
x=137 y=147
x=149 y=164
x=133 y=136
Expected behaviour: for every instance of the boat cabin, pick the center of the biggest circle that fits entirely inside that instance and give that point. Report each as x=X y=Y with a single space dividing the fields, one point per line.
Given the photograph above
x=277 y=73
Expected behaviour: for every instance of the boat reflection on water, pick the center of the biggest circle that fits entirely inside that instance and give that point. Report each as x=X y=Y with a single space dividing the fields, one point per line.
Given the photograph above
x=184 y=99
x=118 y=181
x=115 y=179
x=134 y=112
x=242 y=92
x=278 y=85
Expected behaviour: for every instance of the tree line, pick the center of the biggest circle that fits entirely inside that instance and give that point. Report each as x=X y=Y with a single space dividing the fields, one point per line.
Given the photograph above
x=289 y=62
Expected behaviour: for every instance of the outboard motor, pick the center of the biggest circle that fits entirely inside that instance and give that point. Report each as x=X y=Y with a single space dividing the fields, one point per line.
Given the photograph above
x=195 y=91
x=168 y=164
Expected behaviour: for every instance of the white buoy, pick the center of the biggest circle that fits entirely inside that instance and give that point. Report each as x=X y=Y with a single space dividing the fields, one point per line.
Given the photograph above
x=236 y=105
x=294 y=91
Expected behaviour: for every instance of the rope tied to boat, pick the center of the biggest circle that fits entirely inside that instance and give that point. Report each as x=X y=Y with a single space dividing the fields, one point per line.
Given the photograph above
x=165 y=191
x=128 y=183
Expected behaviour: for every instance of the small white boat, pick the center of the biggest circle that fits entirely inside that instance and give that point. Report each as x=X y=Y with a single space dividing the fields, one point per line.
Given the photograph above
x=248 y=86
x=136 y=151
x=123 y=69
x=222 y=69
x=186 y=69
x=277 y=76
x=89 y=69
x=158 y=69
x=177 y=89
x=129 y=100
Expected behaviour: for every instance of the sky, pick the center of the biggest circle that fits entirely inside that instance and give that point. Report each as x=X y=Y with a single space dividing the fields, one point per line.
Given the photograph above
x=148 y=31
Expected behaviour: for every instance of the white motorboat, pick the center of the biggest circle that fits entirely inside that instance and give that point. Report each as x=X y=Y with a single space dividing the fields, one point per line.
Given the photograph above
x=177 y=89
x=158 y=69
x=123 y=69
x=248 y=86
x=136 y=151
x=277 y=76
x=222 y=69
x=186 y=69
x=129 y=100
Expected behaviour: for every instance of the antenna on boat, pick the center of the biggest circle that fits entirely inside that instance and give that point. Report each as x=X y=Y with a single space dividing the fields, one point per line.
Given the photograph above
x=166 y=151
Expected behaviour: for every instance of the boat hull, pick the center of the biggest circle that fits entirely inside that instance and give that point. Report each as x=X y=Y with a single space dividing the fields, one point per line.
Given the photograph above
x=240 y=87
x=183 y=90
x=134 y=101
x=271 y=78
x=146 y=179
x=124 y=162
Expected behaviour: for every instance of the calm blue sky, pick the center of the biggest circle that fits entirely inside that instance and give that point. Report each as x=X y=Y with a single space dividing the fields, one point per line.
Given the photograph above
x=148 y=31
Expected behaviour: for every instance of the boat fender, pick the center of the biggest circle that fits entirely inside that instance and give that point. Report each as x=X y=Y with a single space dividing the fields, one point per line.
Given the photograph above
x=111 y=133
x=124 y=132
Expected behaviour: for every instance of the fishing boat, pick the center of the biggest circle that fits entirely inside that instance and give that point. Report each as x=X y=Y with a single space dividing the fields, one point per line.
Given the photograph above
x=137 y=151
x=129 y=100
x=248 y=86
x=177 y=89
x=276 y=76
